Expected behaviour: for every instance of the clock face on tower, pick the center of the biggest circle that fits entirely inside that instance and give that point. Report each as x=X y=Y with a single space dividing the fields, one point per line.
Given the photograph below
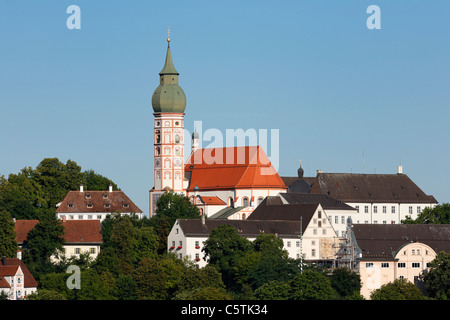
x=157 y=163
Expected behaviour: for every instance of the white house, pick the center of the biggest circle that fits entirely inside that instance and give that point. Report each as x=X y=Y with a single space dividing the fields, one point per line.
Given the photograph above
x=319 y=242
x=377 y=198
x=15 y=279
x=95 y=205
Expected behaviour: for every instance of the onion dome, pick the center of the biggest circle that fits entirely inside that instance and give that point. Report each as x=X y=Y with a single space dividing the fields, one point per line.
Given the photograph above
x=168 y=97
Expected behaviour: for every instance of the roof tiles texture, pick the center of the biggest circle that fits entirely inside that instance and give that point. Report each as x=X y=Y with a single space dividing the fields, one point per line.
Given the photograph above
x=232 y=168
x=382 y=241
x=97 y=201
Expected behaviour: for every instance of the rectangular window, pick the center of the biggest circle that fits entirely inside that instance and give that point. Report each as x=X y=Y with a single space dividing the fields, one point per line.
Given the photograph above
x=336 y=219
x=297 y=244
x=366 y=209
x=418 y=209
x=375 y=209
x=384 y=209
x=288 y=244
x=319 y=214
x=77 y=250
x=324 y=231
x=416 y=264
x=369 y=264
x=343 y=220
x=392 y=209
x=92 y=250
x=410 y=209
x=385 y=264
x=401 y=265
x=357 y=209
x=313 y=252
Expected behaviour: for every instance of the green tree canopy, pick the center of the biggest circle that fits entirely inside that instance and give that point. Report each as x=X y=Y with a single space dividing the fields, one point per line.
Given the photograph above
x=311 y=285
x=8 y=243
x=440 y=214
x=346 y=282
x=170 y=207
x=437 y=277
x=224 y=248
x=32 y=193
x=399 y=289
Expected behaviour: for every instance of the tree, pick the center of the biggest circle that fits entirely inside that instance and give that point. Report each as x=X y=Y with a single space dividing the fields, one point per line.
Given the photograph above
x=311 y=285
x=224 y=248
x=346 y=282
x=43 y=240
x=267 y=261
x=399 y=289
x=437 y=278
x=273 y=290
x=170 y=207
x=8 y=243
x=33 y=193
x=440 y=214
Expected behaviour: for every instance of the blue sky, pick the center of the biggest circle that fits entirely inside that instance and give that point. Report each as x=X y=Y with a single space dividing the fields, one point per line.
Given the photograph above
x=344 y=98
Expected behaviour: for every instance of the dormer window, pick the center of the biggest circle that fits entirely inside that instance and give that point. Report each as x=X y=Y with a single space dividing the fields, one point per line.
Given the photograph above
x=70 y=205
x=90 y=206
x=88 y=196
x=125 y=205
x=107 y=205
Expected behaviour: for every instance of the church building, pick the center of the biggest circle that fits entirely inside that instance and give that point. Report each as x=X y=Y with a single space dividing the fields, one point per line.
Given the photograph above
x=225 y=183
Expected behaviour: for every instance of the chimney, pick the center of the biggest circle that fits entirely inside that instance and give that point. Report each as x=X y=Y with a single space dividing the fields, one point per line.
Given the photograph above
x=19 y=254
x=319 y=171
x=81 y=188
x=4 y=260
x=110 y=188
x=399 y=169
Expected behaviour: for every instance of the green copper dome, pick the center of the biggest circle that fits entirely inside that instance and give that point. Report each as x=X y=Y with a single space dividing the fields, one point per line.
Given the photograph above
x=169 y=97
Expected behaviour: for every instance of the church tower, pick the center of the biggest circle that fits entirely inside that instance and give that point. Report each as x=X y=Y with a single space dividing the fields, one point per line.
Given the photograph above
x=169 y=103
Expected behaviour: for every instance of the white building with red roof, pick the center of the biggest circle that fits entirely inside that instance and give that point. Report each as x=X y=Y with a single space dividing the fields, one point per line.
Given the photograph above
x=95 y=205
x=80 y=237
x=16 y=281
x=223 y=182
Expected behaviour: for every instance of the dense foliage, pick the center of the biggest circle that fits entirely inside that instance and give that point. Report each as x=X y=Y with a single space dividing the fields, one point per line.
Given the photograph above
x=133 y=263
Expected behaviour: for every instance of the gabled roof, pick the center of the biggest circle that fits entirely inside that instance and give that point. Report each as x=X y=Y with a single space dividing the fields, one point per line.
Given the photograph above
x=285 y=212
x=29 y=281
x=75 y=231
x=211 y=201
x=245 y=228
x=231 y=168
x=357 y=187
x=327 y=202
x=225 y=212
x=97 y=202
x=382 y=241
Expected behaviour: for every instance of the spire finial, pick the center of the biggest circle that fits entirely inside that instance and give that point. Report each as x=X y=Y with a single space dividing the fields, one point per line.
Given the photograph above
x=168 y=34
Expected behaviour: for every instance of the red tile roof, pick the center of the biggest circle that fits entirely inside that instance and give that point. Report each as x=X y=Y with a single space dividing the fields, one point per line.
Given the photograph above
x=212 y=201
x=76 y=231
x=83 y=231
x=97 y=201
x=22 y=228
x=231 y=168
x=29 y=281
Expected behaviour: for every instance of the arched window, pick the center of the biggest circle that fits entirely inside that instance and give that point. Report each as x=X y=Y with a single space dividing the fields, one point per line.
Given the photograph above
x=245 y=202
x=260 y=199
x=167 y=163
x=177 y=138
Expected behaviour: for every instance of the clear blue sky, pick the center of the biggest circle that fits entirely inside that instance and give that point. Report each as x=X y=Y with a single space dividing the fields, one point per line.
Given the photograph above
x=345 y=98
